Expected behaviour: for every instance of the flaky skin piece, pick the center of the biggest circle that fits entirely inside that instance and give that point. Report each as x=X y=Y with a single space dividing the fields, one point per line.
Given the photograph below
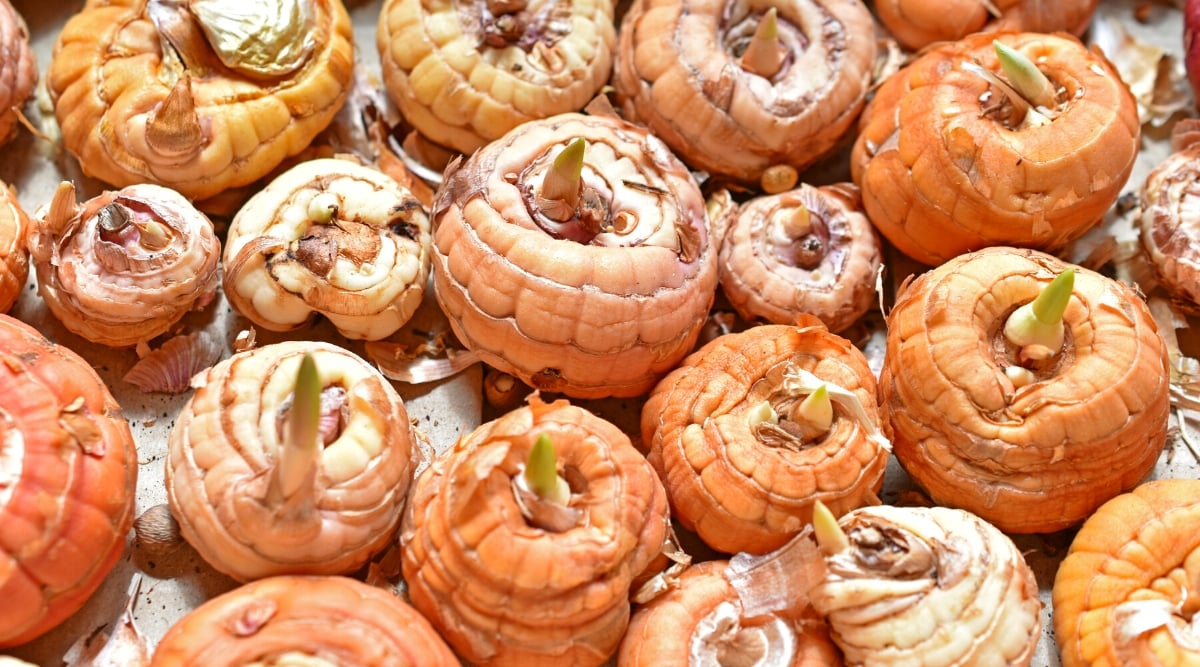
x=504 y=585
x=18 y=69
x=679 y=71
x=1126 y=592
x=919 y=23
x=160 y=91
x=463 y=73
x=1030 y=458
x=70 y=469
x=319 y=621
x=948 y=165
x=747 y=485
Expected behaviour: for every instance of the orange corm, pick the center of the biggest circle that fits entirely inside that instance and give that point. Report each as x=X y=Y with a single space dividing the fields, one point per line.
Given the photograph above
x=951 y=158
x=702 y=619
x=1126 y=592
x=918 y=23
x=70 y=475
x=740 y=457
x=297 y=619
x=1031 y=436
x=510 y=576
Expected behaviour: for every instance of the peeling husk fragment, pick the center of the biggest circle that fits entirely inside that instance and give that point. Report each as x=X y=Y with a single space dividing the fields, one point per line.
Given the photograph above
x=334 y=238
x=678 y=71
x=15 y=226
x=158 y=91
x=224 y=449
x=503 y=591
x=1169 y=222
x=1126 y=592
x=917 y=23
x=120 y=644
x=303 y=620
x=1040 y=457
x=611 y=295
x=808 y=250
x=126 y=265
x=701 y=620
x=747 y=486
x=67 y=490
x=170 y=368
x=18 y=70
x=464 y=73
x=982 y=176
x=933 y=586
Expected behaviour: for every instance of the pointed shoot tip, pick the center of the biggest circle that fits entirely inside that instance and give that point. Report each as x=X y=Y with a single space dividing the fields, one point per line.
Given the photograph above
x=562 y=182
x=301 y=443
x=830 y=536
x=1025 y=77
x=764 y=55
x=1051 y=303
x=817 y=408
x=541 y=472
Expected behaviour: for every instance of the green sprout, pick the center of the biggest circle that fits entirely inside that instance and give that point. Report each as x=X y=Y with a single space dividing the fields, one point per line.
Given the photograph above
x=301 y=441
x=541 y=472
x=1039 y=322
x=562 y=182
x=830 y=537
x=1025 y=77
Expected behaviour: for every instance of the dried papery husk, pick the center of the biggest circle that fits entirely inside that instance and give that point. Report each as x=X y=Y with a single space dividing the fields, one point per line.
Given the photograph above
x=1040 y=457
x=329 y=237
x=602 y=303
x=170 y=368
x=931 y=586
x=1169 y=222
x=120 y=644
x=947 y=167
x=142 y=94
x=917 y=24
x=15 y=226
x=224 y=450
x=747 y=486
x=465 y=73
x=125 y=266
x=505 y=592
x=678 y=70
x=1126 y=592
x=701 y=620
x=303 y=620
x=67 y=491
x=18 y=69
x=808 y=250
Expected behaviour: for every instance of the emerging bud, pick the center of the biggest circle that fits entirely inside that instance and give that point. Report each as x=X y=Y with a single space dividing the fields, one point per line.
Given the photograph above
x=1039 y=322
x=301 y=441
x=816 y=410
x=764 y=56
x=1025 y=77
x=541 y=473
x=563 y=181
x=830 y=536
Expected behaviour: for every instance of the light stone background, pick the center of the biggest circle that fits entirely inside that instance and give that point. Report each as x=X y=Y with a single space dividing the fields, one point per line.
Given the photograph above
x=172 y=586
